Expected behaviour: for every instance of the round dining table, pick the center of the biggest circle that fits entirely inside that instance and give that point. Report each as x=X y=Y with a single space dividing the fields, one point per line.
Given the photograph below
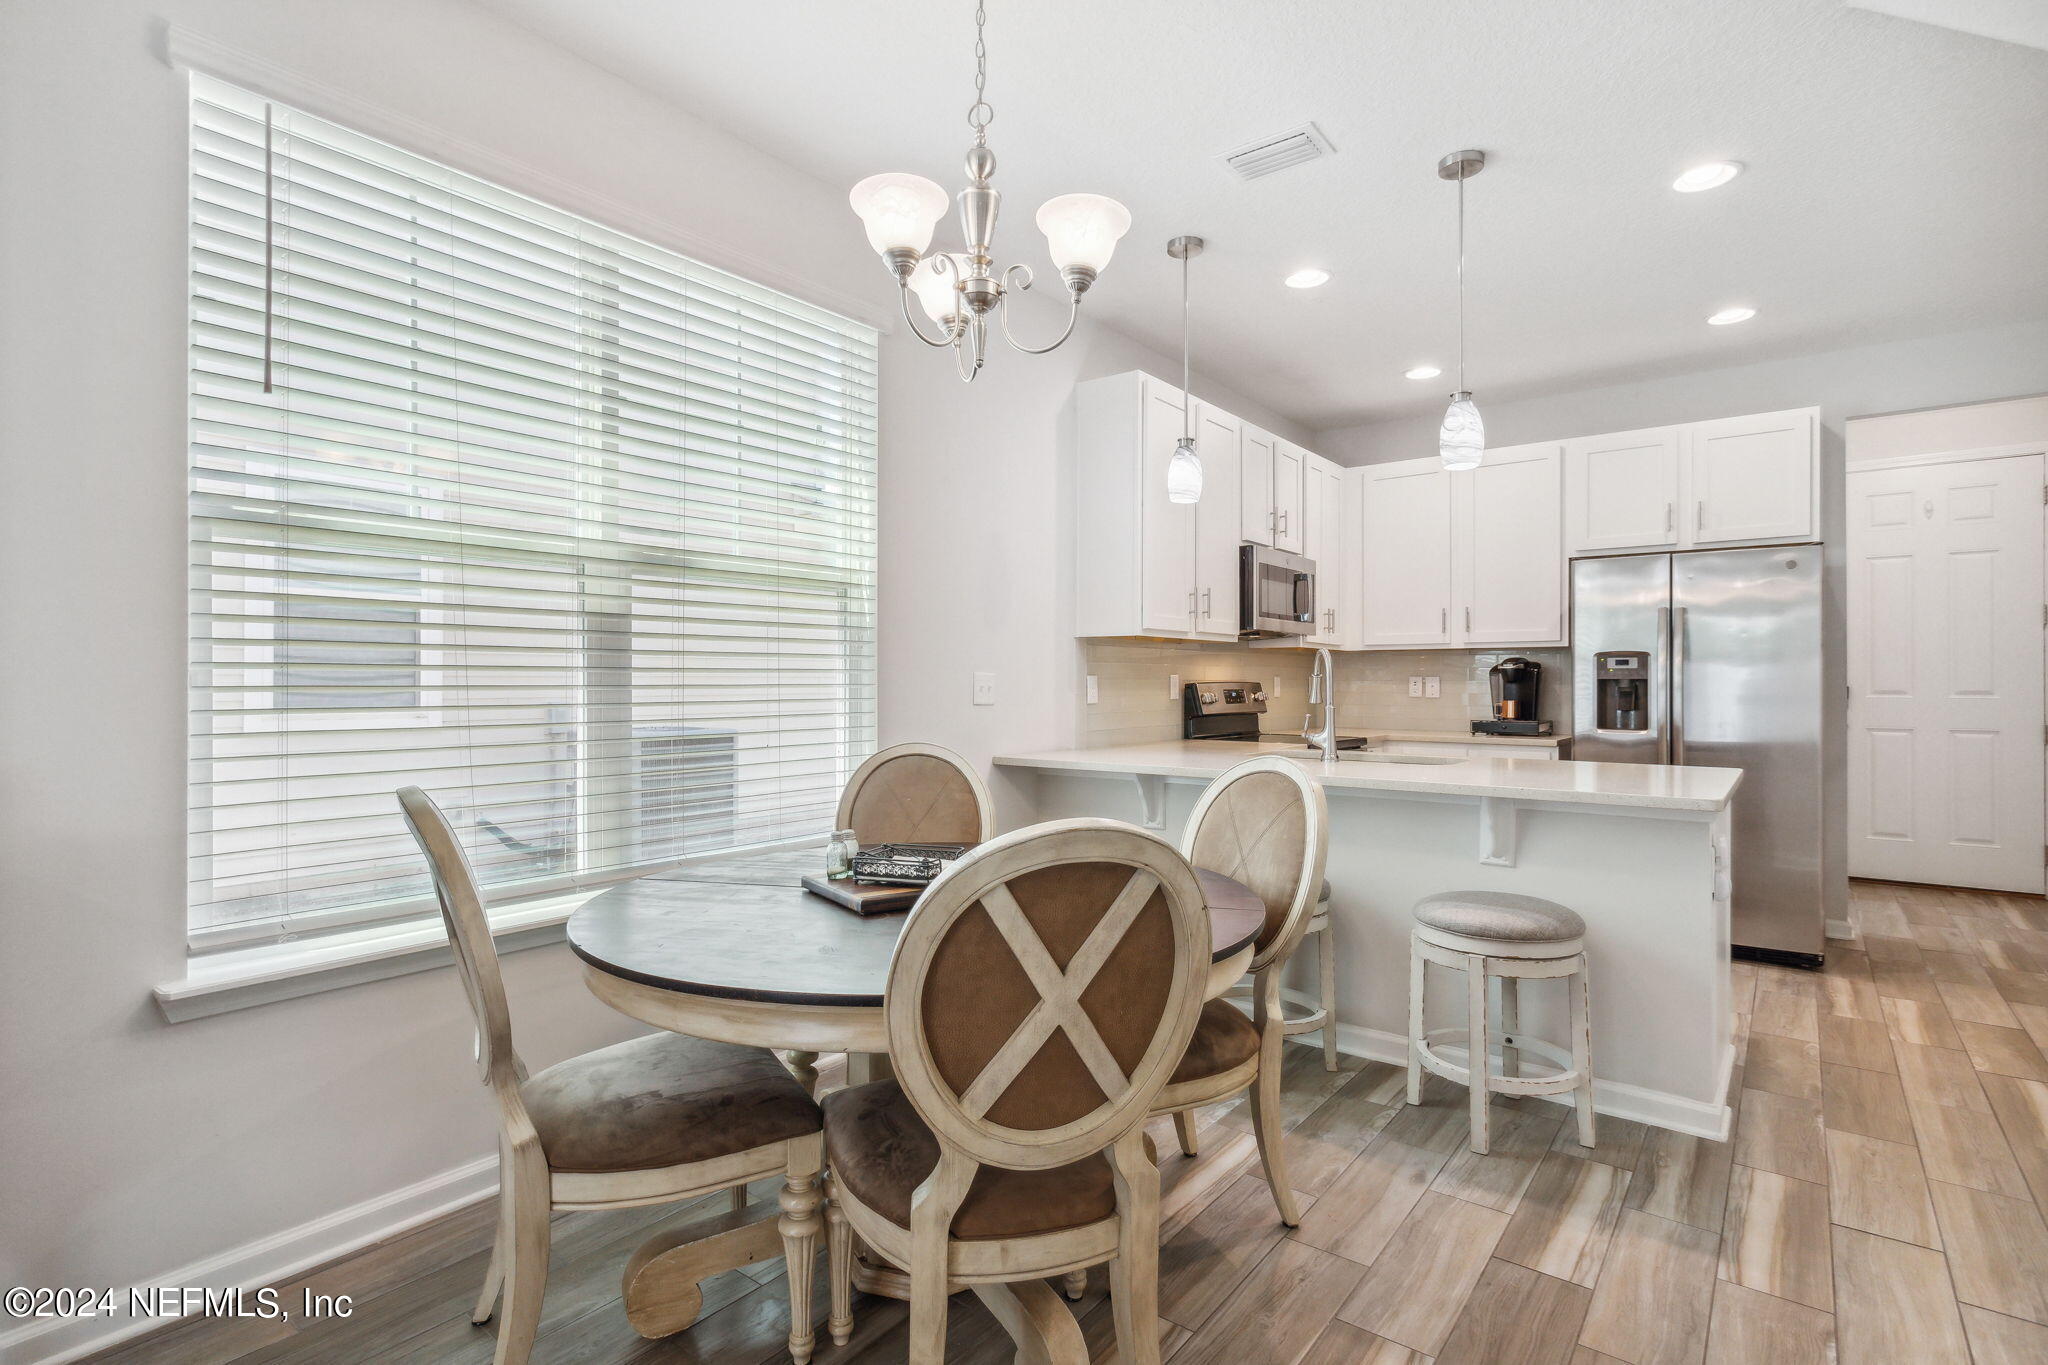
x=736 y=950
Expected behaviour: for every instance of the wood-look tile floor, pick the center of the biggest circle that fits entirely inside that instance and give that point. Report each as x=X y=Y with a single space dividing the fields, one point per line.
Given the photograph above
x=1880 y=1202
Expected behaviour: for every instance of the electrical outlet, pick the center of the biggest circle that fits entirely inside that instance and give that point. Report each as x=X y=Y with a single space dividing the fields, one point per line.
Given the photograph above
x=1432 y=687
x=1093 y=695
x=1173 y=686
x=984 y=689
x=1415 y=687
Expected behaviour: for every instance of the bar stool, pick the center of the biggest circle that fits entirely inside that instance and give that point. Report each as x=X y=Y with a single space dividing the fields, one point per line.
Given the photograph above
x=1301 y=1012
x=1509 y=938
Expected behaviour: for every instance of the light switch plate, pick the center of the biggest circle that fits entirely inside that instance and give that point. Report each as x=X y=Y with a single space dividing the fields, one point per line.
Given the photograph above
x=1093 y=696
x=1415 y=687
x=1173 y=686
x=984 y=689
x=1432 y=687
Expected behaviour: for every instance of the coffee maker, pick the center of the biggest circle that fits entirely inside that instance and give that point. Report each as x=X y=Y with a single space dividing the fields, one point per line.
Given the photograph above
x=1517 y=687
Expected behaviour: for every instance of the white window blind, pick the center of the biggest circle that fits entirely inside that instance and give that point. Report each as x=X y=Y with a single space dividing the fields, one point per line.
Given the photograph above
x=574 y=532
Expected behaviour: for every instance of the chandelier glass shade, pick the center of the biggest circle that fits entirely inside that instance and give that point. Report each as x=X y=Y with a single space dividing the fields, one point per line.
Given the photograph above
x=959 y=290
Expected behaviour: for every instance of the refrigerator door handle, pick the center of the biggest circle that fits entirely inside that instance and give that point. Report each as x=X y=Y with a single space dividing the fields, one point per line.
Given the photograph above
x=1660 y=687
x=1678 y=685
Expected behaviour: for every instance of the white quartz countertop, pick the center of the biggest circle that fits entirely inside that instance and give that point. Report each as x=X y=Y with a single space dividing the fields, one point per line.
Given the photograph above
x=1561 y=781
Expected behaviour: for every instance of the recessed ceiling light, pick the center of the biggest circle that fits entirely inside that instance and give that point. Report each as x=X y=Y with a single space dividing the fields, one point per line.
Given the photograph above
x=1307 y=279
x=1731 y=315
x=1424 y=372
x=1712 y=175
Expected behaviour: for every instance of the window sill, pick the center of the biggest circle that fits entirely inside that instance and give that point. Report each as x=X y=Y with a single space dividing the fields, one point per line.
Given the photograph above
x=244 y=978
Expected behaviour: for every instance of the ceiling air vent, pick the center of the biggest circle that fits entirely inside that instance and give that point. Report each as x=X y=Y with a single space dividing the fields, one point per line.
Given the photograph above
x=1278 y=152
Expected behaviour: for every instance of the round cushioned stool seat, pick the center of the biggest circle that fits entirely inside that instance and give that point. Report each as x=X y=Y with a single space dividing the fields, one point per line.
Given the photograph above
x=1499 y=915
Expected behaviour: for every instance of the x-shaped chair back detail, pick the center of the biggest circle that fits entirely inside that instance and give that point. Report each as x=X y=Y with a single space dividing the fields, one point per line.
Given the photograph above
x=1045 y=987
x=917 y=794
x=1266 y=823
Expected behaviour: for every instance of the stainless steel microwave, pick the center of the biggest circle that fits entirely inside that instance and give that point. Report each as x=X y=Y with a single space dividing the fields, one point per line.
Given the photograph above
x=1276 y=592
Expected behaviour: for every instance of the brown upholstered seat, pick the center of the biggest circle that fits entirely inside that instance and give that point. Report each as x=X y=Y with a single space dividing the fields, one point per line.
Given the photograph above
x=664 y=1100
x=1224 y=1039
x=880 y=1151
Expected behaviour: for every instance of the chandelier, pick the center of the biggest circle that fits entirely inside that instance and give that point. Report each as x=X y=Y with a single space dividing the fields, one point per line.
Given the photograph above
x=959 y=289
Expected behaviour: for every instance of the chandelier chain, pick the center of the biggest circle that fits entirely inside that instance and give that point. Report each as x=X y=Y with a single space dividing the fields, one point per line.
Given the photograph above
x=980 y=113
x=1461 y=282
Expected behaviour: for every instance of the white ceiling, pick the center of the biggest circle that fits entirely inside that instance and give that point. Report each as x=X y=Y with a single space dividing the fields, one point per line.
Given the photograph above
x=1897 y=180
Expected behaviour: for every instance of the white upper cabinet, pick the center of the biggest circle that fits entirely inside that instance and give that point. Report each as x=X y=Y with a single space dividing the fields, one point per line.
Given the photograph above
x=1736 y=481
x=1753 y=478
x=1289 y=466
x=1270 y=490
x=1622 y=491
x=1256 y=520
x=1325 y=539
x=1405 y=556
x=1508 y=530
x=1217 y=520
x=1144 y=564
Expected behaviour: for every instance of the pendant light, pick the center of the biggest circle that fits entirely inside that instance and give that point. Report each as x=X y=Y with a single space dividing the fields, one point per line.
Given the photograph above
x=1461 y=442
x=1184 y=470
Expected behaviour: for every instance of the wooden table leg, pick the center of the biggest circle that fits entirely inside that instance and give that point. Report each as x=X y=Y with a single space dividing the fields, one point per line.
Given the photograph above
x=1036 y=1319
x=863 y=1067
x=803 y=1066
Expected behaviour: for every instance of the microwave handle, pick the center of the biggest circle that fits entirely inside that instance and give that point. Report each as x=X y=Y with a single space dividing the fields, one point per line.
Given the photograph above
x=1305 y=597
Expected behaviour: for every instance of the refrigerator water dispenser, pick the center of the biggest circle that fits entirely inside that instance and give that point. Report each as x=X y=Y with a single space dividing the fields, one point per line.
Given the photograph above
x=1622 y=689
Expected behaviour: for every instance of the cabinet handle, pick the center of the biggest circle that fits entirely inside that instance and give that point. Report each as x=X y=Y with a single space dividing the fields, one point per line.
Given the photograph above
x=1272 y=521
x=1670 y=518
x=1699 y=517
x=1443 y=620
x=1191 y=603
x=1205 y=603
x=1468 y=620
x=1283 y=521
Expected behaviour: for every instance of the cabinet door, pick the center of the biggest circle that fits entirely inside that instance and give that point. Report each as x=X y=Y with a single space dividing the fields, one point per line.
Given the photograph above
x=1217 y=521
x=1287 y=496
x=1752 y=478
x=1621 y=491
x=1405 y=554
x=1322 y=540
x=1510 y=519
x=1167 y=536
x=1257 y=521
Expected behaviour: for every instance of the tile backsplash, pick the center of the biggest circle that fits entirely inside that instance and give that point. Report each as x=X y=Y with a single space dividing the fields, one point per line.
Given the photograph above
x=1133 y=705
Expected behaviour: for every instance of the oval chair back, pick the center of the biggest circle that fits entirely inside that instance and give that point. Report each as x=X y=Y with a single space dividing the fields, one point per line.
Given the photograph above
x=469 y=935
x=1266 y=823
x=1044 y=989
x=916 y=794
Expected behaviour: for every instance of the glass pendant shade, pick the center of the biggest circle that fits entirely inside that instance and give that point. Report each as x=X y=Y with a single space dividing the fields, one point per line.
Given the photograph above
x=939 y=294
x=1462 y=440
x=1184 y=473
x=899 y=210
x=1082 y=230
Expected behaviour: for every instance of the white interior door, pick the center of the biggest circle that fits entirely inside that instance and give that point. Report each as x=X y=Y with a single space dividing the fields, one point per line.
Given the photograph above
x=1945 y=674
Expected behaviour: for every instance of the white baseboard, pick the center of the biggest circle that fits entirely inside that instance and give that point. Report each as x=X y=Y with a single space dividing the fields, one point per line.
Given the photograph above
x=265 y=1261
x=1659 y=1108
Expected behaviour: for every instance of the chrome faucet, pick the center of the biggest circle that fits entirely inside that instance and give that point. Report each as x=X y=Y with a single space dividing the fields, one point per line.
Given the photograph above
x=1322 y=687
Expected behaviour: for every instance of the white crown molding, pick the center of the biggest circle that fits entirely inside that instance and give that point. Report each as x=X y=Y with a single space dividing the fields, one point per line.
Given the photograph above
x=188 y=50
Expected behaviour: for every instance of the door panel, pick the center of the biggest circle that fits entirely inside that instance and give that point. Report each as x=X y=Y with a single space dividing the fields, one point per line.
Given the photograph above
x=1405 y=555
x=1945 y=674
x=1623 y=491
x=1168 y=535
x=1256 y=521
x=1513 y=548
x=1217 y=522
x=1746 y=663
x=1752 y=478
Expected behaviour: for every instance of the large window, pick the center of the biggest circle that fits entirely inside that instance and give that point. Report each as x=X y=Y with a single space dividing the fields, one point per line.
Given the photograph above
x=574 y=532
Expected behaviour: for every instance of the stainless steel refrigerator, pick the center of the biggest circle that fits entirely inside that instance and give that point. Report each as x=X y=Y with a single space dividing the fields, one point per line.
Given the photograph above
x=1712 y=658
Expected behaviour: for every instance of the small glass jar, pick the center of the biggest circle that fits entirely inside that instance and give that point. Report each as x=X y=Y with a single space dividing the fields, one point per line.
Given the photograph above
x=839 y=854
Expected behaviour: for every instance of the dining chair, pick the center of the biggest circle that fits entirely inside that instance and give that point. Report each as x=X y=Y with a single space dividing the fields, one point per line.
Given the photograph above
x=650 y=1121
x=916 y=794
x=1264 y=823
x=1044 y=988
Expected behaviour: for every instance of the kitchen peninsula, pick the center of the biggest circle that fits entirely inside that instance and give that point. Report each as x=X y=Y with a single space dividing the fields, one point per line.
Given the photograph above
x=1641 y=851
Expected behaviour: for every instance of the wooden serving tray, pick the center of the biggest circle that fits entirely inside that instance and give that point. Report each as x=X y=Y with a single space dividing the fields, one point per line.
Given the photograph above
x=862 y=898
